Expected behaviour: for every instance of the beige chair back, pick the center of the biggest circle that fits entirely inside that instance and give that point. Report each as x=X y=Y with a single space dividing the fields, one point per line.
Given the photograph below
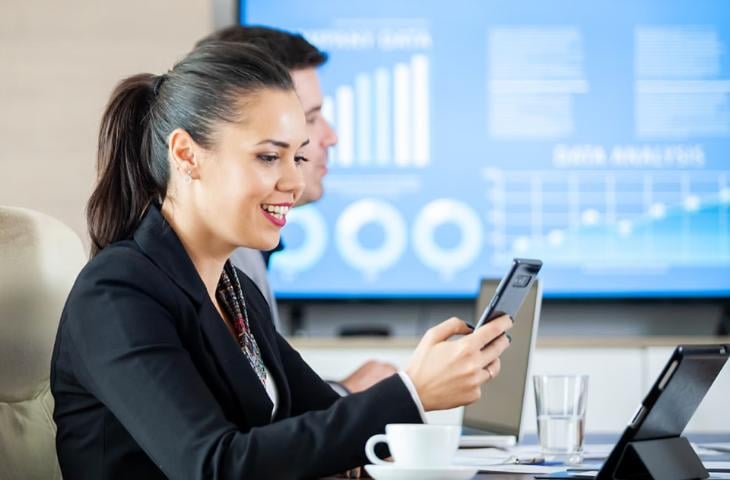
x=40 y=258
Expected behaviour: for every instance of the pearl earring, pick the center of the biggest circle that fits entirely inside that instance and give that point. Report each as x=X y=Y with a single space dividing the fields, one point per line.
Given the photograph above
x=188 y=177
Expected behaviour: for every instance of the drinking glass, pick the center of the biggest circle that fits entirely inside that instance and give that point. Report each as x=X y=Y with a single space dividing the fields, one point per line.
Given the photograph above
x=561 y=413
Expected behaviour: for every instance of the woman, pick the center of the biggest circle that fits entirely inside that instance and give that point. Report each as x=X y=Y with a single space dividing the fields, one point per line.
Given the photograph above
x=166 y=363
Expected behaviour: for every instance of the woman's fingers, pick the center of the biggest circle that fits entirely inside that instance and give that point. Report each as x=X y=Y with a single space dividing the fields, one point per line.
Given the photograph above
x=494 y=368
x=449 y=374
x=486 y=333
x=445 y=330
x=493 y=351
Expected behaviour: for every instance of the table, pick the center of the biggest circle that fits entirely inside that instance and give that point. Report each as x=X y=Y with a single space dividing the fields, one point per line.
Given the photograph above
x=596 y=439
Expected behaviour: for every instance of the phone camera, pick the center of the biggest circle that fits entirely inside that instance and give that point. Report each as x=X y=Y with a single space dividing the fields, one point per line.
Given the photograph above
x=521 y=280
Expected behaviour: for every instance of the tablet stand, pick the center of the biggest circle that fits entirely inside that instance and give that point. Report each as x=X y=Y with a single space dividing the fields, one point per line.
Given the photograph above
x=664 y=459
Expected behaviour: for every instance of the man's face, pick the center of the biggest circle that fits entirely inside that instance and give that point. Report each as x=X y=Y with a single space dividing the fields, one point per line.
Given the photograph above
x=321 y=135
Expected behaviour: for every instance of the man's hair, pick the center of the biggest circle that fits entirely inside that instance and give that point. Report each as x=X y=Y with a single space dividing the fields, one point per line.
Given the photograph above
x=290 y=49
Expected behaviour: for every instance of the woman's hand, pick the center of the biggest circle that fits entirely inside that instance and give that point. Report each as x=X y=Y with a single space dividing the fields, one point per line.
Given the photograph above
x=449 y=374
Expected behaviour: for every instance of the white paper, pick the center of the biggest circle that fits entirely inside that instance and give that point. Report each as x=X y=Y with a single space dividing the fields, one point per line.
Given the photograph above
x=716 y=465
x=496 y=460
x=484 y=453
x=481 y=456
x=471 y=462
x=716 y=447
x=520 y=456
x=483 y=441
x=533 y=469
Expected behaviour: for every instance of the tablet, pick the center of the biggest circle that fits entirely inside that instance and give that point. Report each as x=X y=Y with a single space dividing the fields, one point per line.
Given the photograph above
x=670 y=404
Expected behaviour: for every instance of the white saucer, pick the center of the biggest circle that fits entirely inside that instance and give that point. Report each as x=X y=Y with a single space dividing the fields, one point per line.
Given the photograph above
x=391 y=472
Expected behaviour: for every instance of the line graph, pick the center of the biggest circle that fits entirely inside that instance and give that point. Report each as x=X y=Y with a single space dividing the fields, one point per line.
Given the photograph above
x=615 y=219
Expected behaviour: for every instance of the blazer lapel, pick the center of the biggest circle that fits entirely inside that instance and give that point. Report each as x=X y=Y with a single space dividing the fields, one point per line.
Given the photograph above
x=160 y=243
x=241 y=378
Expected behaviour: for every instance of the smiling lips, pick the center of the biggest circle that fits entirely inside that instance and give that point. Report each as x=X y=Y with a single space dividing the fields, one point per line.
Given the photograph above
x=276 y=213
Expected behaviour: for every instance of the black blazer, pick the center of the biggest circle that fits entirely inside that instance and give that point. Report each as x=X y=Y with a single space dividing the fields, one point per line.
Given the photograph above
x=149 y=383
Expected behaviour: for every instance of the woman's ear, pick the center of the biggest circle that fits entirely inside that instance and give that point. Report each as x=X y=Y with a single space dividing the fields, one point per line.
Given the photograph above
x=182 y=150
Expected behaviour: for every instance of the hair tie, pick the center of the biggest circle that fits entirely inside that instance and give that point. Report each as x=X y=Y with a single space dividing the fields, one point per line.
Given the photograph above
x=158 y=83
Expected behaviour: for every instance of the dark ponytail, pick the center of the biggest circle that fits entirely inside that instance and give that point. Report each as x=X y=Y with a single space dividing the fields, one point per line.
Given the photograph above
x=202 y=90
x=125 y=182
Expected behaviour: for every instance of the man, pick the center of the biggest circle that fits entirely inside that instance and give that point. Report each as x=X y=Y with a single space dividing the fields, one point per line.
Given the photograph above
x=302 y=59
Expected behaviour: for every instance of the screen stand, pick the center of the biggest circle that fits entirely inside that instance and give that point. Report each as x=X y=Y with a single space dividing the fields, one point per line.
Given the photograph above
x=664 y=459
x=723 y=326
x=296 y=320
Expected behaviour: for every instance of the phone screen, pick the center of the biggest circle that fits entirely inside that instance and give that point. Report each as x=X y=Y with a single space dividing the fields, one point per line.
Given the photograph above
x=512 y=290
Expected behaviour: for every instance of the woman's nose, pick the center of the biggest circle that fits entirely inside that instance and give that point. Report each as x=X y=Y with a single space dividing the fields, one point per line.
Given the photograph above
x=292 y=179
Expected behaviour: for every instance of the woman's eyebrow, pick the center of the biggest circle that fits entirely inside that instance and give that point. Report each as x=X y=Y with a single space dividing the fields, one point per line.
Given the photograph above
x=281 y=144
x=276 y=143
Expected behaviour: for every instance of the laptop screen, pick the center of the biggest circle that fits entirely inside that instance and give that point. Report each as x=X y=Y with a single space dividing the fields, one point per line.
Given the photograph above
x=500 y=408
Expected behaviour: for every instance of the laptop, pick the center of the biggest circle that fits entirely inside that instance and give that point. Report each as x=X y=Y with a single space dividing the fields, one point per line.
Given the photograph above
x=496 y=418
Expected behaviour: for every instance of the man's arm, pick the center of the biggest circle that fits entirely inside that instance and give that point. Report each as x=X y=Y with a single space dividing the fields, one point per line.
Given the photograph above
x=251 y=262
x=367 y=375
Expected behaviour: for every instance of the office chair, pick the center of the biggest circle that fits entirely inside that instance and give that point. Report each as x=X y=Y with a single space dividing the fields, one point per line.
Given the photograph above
x=39 y=260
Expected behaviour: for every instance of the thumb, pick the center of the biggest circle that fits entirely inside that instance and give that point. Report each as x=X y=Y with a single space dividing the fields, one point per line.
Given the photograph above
x=445 y=330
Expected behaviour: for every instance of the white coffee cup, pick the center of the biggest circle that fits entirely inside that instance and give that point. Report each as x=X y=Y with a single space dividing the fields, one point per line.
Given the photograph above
x=416 y=445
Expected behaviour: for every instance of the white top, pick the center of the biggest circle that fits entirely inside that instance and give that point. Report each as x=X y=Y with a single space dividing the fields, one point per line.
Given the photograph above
x=272 y=391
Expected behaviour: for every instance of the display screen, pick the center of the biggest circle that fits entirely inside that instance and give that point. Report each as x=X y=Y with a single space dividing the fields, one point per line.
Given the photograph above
x=594 y=136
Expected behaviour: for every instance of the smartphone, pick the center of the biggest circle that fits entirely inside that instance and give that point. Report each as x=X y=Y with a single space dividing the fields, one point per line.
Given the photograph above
x=512 y=290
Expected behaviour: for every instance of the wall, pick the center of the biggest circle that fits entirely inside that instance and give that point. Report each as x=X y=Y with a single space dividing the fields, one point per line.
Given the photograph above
x=59 y=63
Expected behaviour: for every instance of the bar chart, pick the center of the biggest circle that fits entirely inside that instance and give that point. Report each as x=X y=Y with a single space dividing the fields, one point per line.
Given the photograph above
x=382 y=117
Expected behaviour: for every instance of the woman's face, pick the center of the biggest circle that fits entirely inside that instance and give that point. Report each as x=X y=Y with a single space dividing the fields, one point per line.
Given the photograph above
x=252 y=176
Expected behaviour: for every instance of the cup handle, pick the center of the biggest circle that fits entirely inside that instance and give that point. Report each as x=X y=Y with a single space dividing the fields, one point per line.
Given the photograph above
x=370 y=449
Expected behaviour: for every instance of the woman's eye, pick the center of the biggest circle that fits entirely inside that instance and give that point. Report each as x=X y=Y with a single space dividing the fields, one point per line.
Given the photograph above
x=268 y=158
x=300 y=159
